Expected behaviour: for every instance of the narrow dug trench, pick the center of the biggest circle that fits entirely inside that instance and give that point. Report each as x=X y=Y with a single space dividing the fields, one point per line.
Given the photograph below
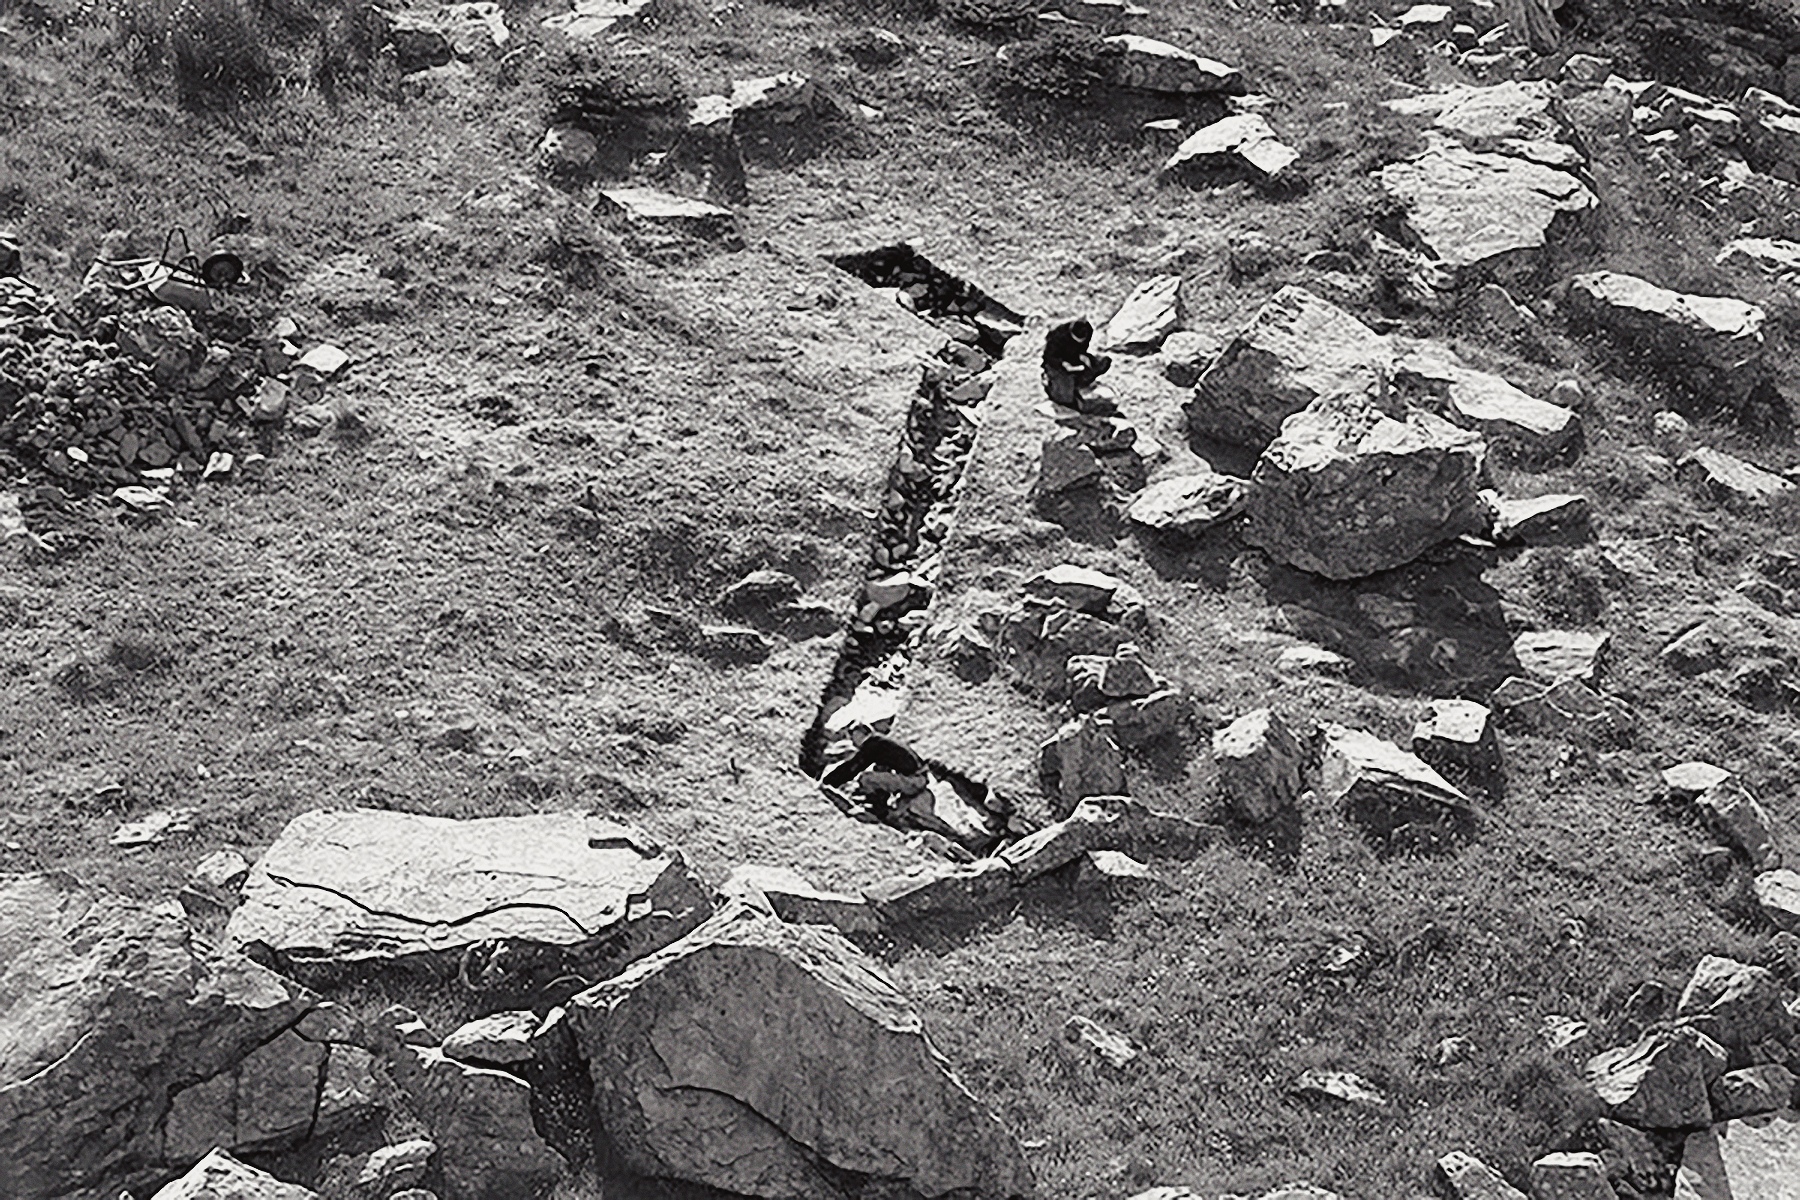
x=868 y=681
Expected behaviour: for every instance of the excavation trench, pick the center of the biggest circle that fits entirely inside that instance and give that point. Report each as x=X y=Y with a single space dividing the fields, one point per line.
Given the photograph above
x=868 y=681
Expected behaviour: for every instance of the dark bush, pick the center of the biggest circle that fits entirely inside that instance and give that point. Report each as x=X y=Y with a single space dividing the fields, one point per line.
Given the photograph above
x=991 y=14
x=215 y=49
x=594 y=85
x=1065 y=62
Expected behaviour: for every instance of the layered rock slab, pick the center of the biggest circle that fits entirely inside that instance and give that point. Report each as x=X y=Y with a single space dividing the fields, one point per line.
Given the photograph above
x=758 y=1057
x=1485 y=213
x=109 y=1006
x=1752 y=1158
x=363 y=886
x=1713 y=342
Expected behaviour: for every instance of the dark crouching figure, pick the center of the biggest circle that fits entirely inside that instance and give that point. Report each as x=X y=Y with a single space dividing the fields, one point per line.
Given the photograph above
x=1068 y=367
x=885 y=770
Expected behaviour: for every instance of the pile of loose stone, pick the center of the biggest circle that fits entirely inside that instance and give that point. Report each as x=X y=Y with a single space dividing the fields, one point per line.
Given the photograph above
x=1703 y=1101
x=117 y=392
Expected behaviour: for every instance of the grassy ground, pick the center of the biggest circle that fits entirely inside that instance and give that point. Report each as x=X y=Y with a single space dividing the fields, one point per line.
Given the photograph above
x=448 y=610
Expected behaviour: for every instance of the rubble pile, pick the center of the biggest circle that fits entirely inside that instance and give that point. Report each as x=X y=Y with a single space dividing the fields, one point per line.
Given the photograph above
x=117 y=390
x=905 y=558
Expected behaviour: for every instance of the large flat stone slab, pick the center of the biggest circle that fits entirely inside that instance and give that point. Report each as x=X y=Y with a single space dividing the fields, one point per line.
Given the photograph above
x=1752 y=1158
x=1484 y=213
x=365 y=886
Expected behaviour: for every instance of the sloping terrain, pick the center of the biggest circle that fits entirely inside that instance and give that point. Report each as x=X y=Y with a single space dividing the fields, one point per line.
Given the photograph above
x=485 y=577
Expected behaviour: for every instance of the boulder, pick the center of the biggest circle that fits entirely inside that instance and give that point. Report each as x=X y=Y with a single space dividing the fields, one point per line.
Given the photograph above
x=939 y=889
x=1738 y=1005
x=1730 y=481
x=1740 y=822
x=1099 y=680
x=1481 y=214
x=497 y=1039
x=1554 y=655
x=481 y=1120
x=1148 y=315
x=1457 y=739
x=1037 y=639
x=1261 y=765
x=1570 y=709
x=792 y=897
x=266 y=1100
x=1296 y=349
x=1712 y=343
x=1391 y=794
x=1751 y=1158
x=1346 y=491
x=1539 y=517
x=1468 y=1178
x=1432 y=376
x=219 y=1176
x=1189 y=504
x=1245 y=142
x=366 y=887
x=1570 y=1176
x=1509 y=117
x=942 y=808
x=1768 y=255
x=1661 y=1080
x=1751 y=1090
x=1148 y=65
x=1777 y=894
x=1184 y=355
x=107 y=1006
x=1080 y=760
x=765 y=1058
x=1104 y=823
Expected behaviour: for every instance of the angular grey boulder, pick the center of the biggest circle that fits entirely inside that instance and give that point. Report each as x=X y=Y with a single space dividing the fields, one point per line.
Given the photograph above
x=107 y=1007
x=1347 y=491
x=761 y=1057
x=1296 y=349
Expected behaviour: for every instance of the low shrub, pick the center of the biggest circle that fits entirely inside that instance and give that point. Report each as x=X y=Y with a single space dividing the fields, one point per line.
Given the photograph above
x=991 y=14
x=215 y=49
x=1071 y=63
x=595 y=84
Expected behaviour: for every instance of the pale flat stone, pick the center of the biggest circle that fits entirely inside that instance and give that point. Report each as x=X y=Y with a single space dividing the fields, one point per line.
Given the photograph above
x=1482 y=211
x=1579 y=1176
x=1154 y=66
x=1770 y=255
x=1730 y=481
x=502 y=1037
x=1147 y=316
x=1687 y=780
x=1482 y=401
x=1538 y=516
x=1751 y=1158
x=1714 y=342
x=1554 y=655
x=1188 y=504
x=1457 y=739
x=793 y=897
x=591 y=19
x=367 y=886
x=1247 y=139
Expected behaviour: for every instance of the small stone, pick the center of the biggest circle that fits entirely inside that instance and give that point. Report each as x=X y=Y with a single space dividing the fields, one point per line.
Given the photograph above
x=1555 y=656
x=1457 y=738
x=1573 y=1176
x=1261 y=765
x=396 y=1164
x=1778 y=895
x=1114 y=1049
x=155 y=828
x=1468 y=1178
x=503 y=1037
x=1339 y=1085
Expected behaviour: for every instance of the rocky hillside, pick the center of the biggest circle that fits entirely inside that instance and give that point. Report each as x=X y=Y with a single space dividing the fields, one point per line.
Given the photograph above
x=467 y=472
